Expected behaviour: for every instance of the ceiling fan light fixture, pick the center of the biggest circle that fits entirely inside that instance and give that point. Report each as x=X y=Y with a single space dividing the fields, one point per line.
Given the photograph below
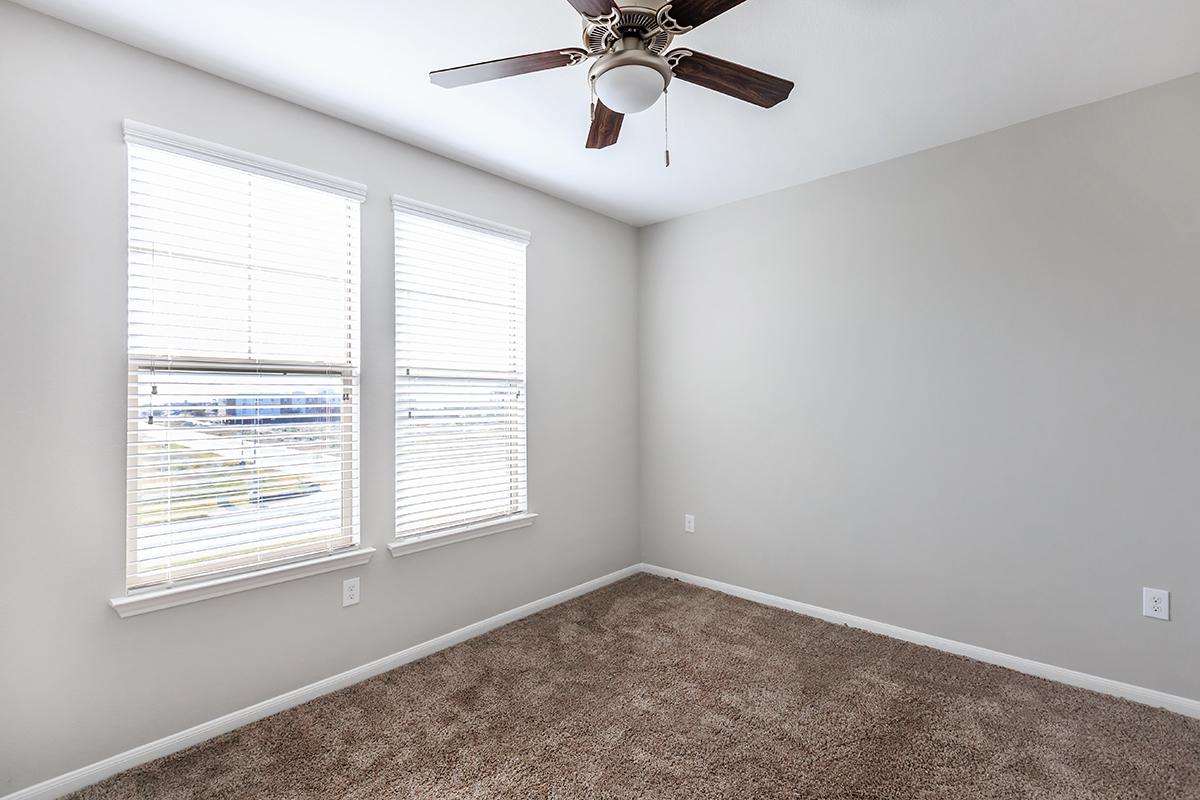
x=630 y=88
x=630 y=79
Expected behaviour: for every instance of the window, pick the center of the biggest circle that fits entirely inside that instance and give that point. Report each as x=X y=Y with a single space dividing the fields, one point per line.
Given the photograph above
x=243 y=361
x=460 y=374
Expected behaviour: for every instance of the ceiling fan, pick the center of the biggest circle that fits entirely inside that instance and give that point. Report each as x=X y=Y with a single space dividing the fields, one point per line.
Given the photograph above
x=632 y=69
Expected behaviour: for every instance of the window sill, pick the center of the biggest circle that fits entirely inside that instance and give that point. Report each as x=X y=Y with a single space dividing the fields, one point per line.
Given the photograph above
x=143 y=602
x=463 y=533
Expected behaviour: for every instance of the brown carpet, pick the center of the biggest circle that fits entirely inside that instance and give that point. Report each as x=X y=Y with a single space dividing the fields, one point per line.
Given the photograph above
x=654 y=688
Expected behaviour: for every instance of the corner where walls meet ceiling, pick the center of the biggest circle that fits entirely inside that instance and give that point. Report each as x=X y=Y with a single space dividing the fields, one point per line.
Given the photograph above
x=875 y=79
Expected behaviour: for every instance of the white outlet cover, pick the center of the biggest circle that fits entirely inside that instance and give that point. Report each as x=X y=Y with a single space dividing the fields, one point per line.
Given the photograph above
x=689 y=523
x=1156 y=603
x=350 y=592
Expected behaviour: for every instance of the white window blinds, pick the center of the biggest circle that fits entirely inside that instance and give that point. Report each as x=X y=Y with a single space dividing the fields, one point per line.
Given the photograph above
x=243 y=360
x=460 y=371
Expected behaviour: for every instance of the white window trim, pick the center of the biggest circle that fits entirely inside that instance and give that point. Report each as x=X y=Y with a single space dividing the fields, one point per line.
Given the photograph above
x=156 y=599
x=407 y=204
x=162 y=139
x=462 y=533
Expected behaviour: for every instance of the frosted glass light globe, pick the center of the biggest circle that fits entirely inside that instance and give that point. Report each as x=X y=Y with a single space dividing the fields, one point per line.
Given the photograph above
x=630 y=88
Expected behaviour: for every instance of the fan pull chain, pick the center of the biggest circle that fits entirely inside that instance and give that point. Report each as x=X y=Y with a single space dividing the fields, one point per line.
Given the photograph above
x=666 y=129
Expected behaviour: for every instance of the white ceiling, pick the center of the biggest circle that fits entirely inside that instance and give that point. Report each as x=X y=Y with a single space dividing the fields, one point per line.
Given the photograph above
x=874 y=79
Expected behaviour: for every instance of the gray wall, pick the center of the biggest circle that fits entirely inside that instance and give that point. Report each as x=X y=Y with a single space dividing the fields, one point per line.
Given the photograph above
x=77 y=683
x=957 y=392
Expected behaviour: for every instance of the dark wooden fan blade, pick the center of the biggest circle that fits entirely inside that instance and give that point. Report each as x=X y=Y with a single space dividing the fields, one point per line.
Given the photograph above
x=593 y=8
x=507 y=67
x=694 y=13
x=606 y=127
x=732 y=79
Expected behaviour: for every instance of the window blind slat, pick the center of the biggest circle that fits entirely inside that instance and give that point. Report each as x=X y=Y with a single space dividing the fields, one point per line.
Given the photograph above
x=460 y=370
x=243 y=362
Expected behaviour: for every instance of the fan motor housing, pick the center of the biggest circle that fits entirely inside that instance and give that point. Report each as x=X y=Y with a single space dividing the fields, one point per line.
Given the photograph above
x=603 y=34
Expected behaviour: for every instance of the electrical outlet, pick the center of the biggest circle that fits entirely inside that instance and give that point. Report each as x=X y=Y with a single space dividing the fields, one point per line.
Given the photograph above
x=689 y=523
x=350 y=593
x=1156 y=603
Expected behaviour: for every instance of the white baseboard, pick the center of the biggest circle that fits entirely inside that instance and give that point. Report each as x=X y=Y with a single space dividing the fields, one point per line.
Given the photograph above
x=85 y=776
x=1138 y=694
